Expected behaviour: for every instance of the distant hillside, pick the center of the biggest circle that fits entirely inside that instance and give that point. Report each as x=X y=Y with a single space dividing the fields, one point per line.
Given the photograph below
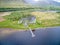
x=24 y=3
x=13 y=3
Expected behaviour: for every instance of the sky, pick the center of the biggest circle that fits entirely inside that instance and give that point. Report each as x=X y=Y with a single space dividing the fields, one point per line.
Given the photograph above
x=32 y=0
x=57 y=0
x=52 y=0
x=43 y=0
x=36 y=1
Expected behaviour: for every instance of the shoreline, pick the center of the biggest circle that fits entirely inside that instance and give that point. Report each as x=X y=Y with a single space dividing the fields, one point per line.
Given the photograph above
x=11 y=29
x=47 y=27
x=7 y=31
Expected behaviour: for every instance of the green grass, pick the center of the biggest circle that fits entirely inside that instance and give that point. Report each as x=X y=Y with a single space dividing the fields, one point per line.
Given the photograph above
x=15 y=25
x=22 y=10
x=12 y=21
x=11 y=24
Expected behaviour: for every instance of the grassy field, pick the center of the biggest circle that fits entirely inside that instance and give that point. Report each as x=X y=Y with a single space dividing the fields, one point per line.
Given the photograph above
x=48 y=18
x=20 y=9
x=44 y=19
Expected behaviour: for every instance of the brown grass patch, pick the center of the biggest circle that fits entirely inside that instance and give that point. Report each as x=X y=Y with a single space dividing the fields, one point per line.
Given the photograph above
x=45 y=15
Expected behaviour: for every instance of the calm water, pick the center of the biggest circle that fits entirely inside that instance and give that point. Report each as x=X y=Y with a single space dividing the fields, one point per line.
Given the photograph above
x=47 y=36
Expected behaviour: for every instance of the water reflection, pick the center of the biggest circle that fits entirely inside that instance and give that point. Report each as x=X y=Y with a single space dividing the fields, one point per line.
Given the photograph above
x=45 y=36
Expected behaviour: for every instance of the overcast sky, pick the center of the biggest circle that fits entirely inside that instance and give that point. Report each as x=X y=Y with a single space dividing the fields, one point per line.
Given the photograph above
x=31 y=0
x=34 y=1
x=57 y=0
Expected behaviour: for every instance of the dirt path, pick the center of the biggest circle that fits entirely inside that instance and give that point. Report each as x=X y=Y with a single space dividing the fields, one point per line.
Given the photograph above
x=3 y=14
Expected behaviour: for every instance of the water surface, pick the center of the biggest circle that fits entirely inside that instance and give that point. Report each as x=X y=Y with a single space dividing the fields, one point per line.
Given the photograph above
x=44 y=36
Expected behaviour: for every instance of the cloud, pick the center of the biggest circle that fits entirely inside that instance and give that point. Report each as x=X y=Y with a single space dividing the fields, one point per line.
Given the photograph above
x=57 y=0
